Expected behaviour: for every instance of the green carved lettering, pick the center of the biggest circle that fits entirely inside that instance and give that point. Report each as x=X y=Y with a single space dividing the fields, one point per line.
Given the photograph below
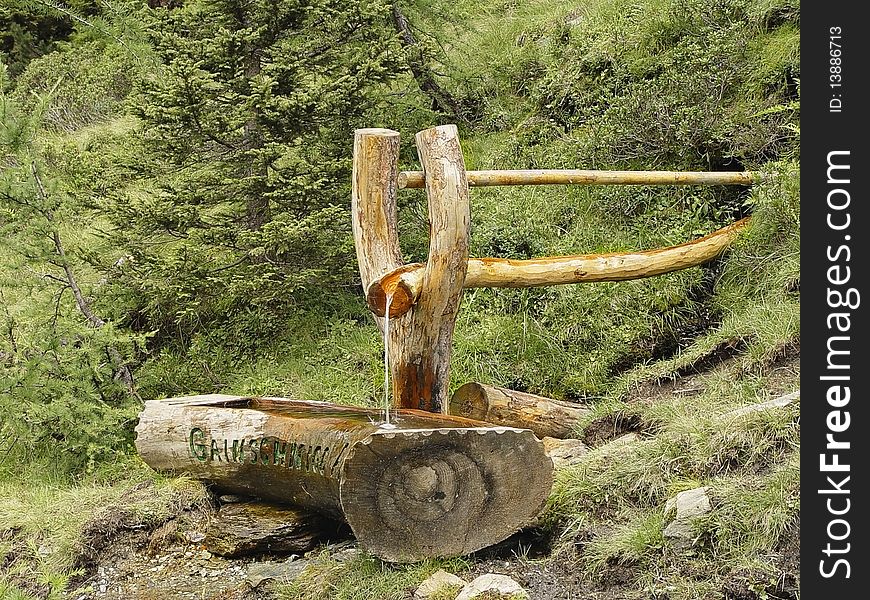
x=323 y=458
x=197 y=447
x=266 y=451
x=215 y=451
x=338 y=457
x=303 y=457
x=280 y=452
x=316 y=460
x=324 y=455
x=254 y=447
x=291 y=456
x=238 y=451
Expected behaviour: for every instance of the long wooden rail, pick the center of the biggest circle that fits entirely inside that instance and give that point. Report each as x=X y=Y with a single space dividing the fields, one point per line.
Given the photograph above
x=416 y=179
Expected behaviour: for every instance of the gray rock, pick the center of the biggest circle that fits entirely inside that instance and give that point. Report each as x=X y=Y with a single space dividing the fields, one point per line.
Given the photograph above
x=564 y=453
x=689 y=506
x=284 y=571
x=616 y=444
x=231 y=499
x=437 y=582
x=491 y=582
x=194 y=537
x=780 y=402
x=255 y=527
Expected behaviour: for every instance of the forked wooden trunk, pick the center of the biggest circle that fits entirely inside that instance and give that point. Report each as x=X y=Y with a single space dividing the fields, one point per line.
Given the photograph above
x=434 y=486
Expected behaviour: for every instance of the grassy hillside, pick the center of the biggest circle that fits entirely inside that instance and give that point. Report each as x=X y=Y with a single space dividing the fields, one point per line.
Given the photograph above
x=606 y=84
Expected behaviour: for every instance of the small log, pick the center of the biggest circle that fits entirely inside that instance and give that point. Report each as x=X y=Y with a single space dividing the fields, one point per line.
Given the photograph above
x=416 y=179
x=406 y=283
x=500 y=406
x=435 y=485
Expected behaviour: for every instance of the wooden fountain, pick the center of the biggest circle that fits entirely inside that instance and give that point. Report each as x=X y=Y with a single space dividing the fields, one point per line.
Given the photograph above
x=422 y=484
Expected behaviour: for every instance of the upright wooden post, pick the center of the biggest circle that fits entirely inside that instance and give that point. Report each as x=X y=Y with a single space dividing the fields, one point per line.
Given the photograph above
x=420 y=342
x=374 y=219
x=423 y=363
x=373 y=203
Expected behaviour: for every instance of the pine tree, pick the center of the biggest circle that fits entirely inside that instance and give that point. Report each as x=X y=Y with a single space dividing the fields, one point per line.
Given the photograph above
x=66 y=382
x=247 y=132
x=32 y=28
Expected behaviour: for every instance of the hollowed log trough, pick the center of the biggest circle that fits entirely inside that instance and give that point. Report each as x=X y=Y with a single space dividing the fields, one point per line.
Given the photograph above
x=434 y=486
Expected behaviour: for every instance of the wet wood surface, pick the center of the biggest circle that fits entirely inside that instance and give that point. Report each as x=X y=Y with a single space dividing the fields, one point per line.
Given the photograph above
x=435 y=485
x=422 y=368
x=420 y=343
x=406 y=282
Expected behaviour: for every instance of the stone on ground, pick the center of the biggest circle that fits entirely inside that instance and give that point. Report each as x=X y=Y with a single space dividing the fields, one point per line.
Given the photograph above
x=284 y=571
x=436 y=582
x=493 y=583
x=689 y=505
x=231 y=499
x=565 y=452
x=779 y=402
x=255 y=527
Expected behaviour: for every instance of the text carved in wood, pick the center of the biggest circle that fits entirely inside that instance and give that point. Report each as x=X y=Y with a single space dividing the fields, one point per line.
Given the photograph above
x=270 y=450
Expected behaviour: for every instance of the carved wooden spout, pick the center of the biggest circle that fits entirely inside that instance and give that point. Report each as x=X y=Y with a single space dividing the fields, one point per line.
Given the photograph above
x=405 y=282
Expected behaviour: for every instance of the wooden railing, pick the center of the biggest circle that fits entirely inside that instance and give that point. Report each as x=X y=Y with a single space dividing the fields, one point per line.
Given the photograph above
x=424 y=297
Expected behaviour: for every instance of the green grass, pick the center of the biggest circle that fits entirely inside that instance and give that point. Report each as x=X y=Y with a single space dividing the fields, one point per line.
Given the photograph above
x=750 y=463
x=550 y=84
x=634 y=542
x=363 y=577
x=43 y=520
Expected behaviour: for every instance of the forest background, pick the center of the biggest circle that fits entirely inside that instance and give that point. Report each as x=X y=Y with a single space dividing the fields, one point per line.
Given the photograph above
x=174 y=219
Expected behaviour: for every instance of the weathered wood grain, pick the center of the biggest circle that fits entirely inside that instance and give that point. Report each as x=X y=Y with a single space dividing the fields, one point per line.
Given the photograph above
x=422 y=366
x=416 y=179
x=435 y=485
x=501 y=406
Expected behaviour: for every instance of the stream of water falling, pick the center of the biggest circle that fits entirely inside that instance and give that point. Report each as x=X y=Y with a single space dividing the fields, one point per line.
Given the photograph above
x=388 y=299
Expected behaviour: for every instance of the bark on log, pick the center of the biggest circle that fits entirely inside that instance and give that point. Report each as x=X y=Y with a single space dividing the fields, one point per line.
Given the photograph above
x=435 y=485
x=416 y=179
x=406 y=282
x=500 y=406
